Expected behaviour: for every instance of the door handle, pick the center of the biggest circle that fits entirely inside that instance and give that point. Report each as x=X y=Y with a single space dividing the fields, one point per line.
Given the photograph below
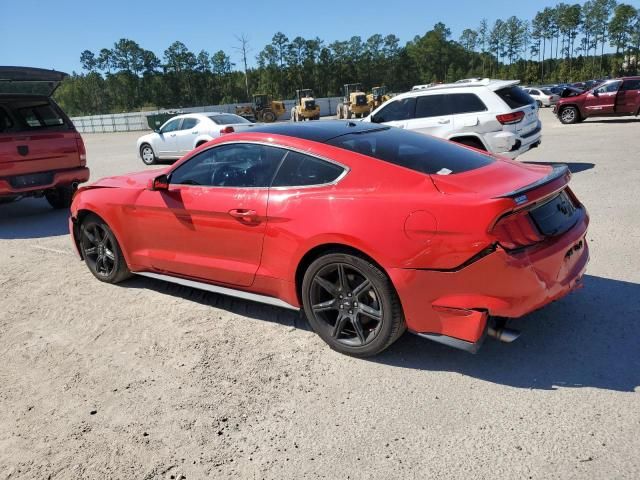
x=243 y=213
x=444 y=122
x=172 y=135
x=194 y=133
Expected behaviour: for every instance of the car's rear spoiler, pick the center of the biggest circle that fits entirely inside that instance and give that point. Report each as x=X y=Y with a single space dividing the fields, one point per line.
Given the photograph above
x=559 y=171
x=29 y=80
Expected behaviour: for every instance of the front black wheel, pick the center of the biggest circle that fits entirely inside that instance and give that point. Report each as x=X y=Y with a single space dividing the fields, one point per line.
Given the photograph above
x=569 y=115
x=352 y=304
x=147 y=154
x=101 y=251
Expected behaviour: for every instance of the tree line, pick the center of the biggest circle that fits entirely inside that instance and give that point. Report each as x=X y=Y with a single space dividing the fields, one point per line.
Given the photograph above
x=565 y=43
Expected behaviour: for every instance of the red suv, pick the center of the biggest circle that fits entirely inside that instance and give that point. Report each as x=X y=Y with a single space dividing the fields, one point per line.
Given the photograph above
x=41 y=153
x=612 y=98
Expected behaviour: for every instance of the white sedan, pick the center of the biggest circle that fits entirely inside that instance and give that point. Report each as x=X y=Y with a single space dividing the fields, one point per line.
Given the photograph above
x=182 y=133
x=542 y=96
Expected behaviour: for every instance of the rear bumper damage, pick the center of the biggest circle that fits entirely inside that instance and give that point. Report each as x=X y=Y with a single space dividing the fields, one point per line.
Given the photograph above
x=456 y=307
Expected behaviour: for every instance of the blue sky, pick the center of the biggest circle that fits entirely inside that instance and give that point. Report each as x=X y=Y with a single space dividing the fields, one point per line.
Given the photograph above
x=52 y=33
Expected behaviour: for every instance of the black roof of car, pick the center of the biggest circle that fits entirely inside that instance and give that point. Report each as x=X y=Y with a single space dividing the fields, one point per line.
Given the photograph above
x=318 y=131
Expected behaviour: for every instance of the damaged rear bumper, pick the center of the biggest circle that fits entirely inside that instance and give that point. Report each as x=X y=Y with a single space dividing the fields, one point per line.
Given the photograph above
x=455 y=307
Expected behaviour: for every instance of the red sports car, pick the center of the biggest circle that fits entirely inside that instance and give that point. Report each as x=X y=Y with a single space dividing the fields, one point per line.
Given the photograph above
x=370 y=229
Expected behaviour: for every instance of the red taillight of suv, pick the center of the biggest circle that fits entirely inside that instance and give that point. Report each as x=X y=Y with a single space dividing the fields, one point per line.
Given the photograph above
x=227 y=130
x=82 y=152
x=516 y=230
x=510 y=118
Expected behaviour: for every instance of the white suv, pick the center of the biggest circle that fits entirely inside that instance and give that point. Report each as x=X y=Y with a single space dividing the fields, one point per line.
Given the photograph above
x=492 y=115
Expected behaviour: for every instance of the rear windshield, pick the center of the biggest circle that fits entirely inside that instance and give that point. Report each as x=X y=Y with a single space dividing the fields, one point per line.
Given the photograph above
x=37 y=114
x=227 y=119
x=416 y=151
x=515 y=97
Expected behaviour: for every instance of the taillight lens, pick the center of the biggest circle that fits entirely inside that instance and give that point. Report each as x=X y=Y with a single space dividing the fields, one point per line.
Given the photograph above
x=516 y=230
x=82 y=152
x=510 y=118
x=227 y=130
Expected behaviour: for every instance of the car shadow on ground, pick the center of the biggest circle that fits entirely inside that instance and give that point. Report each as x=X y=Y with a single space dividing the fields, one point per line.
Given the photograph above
x=574 y=167
x=613 y=120
x=32 y=218
x=588 y=339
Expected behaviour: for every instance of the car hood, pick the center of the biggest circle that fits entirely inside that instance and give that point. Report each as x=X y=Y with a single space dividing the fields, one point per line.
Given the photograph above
x=138 y=180
x=494 y=180
x=28 y=80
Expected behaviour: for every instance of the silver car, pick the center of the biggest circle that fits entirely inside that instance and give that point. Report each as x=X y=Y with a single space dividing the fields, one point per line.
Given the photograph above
x=543 y=96
x=181 y=134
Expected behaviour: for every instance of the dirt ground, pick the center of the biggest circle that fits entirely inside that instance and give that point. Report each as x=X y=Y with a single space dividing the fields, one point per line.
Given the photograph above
x=147 y=380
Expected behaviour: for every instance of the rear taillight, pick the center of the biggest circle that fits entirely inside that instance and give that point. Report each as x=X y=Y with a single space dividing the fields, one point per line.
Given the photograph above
x=82 y=152
x=510 y=118
x=227 y=130
x=516 y=230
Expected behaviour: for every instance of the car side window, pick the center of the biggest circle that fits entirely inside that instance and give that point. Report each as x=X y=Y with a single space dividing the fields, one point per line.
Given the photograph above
x=534 y=92
x=299 y=170
x=609 y=87
x=402 y=109
x=466 y=103
x=236 y=165
x=189 y=123
x=631 y=85
x=172 y=126
x=432 y=106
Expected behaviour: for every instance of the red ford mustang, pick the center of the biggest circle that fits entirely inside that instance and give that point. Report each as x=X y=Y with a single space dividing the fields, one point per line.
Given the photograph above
x=370 y=229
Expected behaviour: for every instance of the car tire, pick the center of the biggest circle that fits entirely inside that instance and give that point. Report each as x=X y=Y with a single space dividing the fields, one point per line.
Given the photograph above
x=351 y=304
x=539 y=103
x=569 y=115
x=60 y=197
x=101 y=251
x=147 y=154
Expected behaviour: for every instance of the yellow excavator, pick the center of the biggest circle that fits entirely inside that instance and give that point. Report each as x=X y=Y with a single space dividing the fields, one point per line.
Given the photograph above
x=377 y=97
x=354 y=102
x=305 y=107
x=262 y=109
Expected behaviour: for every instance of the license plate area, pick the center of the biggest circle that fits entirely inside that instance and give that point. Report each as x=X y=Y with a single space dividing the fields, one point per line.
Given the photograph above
x=31 y=180
x=555 y=216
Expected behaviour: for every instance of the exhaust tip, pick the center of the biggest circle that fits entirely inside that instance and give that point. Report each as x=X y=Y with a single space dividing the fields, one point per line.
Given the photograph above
x=503 y=334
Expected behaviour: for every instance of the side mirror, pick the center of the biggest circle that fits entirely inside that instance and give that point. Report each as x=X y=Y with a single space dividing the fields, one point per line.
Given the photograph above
x=160 y=183
x=595 y=93
x=376 y=119
x=156 y=130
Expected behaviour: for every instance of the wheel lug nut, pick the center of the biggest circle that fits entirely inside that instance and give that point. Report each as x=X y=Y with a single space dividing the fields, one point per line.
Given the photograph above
x=348 y=295
x=355 y=304
x=351 y=311
x=339 y=296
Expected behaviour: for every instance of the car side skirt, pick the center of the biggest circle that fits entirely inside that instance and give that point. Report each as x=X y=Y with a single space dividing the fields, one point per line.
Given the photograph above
x=254 y=297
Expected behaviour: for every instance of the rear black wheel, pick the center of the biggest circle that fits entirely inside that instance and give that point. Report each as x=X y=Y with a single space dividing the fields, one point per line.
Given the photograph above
x=352 y=304
x=60 y=197
x=268 y=116
x=101 y=251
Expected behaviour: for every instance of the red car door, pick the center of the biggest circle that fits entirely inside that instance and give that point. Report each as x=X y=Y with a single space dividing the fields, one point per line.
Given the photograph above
x=628 y=97
x=210 y=222
x=602 y=100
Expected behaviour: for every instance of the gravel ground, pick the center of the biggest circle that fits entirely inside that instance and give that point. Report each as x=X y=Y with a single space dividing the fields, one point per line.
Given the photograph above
x=147 y=380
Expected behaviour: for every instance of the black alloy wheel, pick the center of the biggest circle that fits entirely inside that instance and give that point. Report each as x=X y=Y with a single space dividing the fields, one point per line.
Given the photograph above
x=101 y=251
x=352 y=305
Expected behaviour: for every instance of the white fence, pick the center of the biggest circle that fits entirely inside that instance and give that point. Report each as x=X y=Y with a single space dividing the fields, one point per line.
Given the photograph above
x=130 y=122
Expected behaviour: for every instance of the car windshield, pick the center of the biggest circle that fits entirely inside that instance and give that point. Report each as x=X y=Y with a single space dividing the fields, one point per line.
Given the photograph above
x=228 y=119
x=412 y=150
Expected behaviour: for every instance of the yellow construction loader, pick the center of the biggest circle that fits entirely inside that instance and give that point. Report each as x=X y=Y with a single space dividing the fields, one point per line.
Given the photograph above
x=377 y=97
x=305 y=107
x=354 y=102
x=263 y=109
